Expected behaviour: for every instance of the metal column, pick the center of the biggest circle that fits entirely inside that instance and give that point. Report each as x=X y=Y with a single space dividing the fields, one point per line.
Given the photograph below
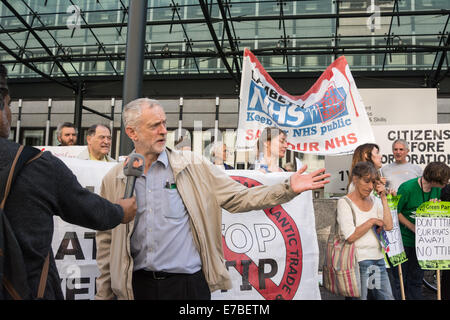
x=134 y=63
x=19 y=120
x=47 y=126
x=78 y=112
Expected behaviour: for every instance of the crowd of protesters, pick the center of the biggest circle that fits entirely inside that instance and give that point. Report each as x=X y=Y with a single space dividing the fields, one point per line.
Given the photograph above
x=413 y=187
x=182 y=257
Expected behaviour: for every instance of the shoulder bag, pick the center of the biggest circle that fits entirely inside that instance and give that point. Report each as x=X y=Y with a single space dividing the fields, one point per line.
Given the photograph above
x=341 y=270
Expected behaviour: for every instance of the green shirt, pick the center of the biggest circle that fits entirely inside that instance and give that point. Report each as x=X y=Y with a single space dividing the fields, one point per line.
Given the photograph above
x=411 y=198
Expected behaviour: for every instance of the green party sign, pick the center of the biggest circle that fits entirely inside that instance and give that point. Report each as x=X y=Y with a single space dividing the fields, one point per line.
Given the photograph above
x=391 y=240
x=433 y=235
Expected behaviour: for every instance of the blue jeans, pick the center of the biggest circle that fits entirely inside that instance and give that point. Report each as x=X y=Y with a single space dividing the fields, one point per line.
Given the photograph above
x=374 y=280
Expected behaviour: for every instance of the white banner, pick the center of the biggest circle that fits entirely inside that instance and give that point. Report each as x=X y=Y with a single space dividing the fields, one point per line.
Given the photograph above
x=427 y=142
x=328 y=119
x=271 y=253
x=74 y=246
x=63 y=151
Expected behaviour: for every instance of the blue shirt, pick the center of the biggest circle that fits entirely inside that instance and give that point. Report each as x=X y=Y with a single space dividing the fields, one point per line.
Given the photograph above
x=162 y=238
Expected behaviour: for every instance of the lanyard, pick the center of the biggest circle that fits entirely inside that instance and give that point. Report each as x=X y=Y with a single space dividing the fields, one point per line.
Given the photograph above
x=423 y=193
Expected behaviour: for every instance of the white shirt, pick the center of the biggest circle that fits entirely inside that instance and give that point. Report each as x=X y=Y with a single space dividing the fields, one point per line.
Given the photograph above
x=367 y=247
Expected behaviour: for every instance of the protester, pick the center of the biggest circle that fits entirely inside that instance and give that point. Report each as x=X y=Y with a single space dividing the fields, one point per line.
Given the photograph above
x=413 y=193
x=370 y=212
x=270 y=148
x=400 y=170
x=218 y=155
x=45 y=188
x=396 y=173
x=66 y=133
x=173 y=249
x=98 y=144
x=366 y=152
x=445 y=274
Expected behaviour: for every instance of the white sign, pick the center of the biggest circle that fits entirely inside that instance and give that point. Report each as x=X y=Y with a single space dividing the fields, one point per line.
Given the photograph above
x=328 y=119
x=394 y=236
x=389 y=106
x=385 y=107
x=427 y=142
x=433 y=235
x=433 y=238
x=392 y=241
x=74 y=246
x=339 y=168
x=271 y=253
x=64 y=151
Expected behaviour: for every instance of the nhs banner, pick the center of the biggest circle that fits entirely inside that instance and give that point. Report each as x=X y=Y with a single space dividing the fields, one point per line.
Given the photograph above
x=328 y=119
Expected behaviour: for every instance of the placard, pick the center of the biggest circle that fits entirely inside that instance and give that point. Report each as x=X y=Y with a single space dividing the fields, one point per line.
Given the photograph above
x=433 y=235
x=391 y=241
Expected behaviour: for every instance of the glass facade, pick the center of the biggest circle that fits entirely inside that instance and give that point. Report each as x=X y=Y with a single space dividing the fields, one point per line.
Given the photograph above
x=71 y=40
x=85 y=38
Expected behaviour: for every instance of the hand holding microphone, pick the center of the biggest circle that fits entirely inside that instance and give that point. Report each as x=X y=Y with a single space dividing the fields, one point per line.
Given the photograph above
x=129 y=209
x=133 y=168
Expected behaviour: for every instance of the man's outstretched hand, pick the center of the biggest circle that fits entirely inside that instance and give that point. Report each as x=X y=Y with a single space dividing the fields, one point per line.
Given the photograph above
x=311 y=181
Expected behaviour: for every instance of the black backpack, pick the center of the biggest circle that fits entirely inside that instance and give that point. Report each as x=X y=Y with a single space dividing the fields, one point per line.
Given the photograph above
x=13 y=274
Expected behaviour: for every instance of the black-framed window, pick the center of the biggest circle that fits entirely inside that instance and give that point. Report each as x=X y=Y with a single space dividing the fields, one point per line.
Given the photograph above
x=32 y=136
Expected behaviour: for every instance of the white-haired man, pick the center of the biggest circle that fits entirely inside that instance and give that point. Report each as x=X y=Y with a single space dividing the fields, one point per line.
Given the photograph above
x=173 y=249
x=400 y=170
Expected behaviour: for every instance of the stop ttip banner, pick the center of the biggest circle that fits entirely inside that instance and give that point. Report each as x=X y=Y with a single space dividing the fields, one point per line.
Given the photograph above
x=328 y=119
x=270 y=254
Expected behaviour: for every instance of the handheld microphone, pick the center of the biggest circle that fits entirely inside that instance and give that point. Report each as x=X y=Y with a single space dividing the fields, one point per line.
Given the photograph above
x=134 y=167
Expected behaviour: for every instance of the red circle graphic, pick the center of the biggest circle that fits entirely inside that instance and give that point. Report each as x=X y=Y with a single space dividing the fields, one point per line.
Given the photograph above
x=290 y=281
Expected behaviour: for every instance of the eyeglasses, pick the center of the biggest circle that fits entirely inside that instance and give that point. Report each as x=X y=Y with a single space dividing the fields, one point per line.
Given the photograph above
x=104 y=137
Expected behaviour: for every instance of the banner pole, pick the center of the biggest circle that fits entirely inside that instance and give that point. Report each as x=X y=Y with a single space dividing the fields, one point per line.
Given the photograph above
x=400 y=276
x=438 y=277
